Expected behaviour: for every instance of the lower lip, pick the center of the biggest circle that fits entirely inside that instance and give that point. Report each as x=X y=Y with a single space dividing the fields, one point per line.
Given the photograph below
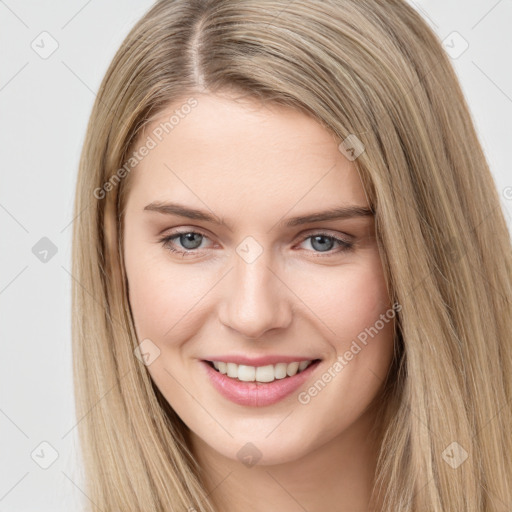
x=257 y=394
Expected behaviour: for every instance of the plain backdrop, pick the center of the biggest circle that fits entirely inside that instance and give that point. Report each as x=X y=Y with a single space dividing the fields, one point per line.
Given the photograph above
x=45 y=102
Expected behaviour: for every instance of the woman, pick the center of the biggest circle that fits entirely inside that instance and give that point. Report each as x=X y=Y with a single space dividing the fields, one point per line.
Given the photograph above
x=226 y=359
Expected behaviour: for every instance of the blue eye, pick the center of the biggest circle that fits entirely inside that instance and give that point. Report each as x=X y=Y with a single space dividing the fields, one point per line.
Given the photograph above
x=318 y=241
x=191 y=240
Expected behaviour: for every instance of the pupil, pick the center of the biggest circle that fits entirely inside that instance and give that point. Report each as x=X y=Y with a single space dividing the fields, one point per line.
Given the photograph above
x=322 y=247
x=189 y=237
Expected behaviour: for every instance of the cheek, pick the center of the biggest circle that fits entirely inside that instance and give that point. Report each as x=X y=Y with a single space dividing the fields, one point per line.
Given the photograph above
x=352 y=310
x=362 y=300
x=347 y=299
x=161 y=293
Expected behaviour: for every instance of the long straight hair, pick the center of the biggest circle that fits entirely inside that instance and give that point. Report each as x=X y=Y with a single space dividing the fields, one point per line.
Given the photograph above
x=366 y=68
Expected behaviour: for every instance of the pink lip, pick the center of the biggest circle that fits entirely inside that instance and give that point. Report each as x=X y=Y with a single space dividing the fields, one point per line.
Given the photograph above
x=256 y=394
x=260 y=360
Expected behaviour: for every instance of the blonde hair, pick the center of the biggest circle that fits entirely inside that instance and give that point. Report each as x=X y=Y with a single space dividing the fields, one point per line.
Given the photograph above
x=371 y=68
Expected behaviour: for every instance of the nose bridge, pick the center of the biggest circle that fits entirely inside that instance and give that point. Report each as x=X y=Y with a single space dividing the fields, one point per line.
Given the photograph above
x=255 y=299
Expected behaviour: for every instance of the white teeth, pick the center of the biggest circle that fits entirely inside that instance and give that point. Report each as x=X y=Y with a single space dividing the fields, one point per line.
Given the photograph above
x=261 y=373
x=280 y=370
x=292 y=369
x=265 y=373
x=232 y=370
x=302 y=365
x=246 y=373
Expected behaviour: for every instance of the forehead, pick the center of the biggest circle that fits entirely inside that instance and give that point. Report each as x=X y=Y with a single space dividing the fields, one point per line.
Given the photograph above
x=232 y=152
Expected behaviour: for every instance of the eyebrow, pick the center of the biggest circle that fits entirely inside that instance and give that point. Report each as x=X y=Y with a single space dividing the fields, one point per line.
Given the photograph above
x=342 y=212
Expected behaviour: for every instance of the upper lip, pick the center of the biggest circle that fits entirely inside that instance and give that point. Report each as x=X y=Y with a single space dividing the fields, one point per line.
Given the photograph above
x=259 y=360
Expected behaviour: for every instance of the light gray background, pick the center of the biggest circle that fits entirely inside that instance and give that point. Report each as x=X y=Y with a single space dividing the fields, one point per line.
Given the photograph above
x=45 y=104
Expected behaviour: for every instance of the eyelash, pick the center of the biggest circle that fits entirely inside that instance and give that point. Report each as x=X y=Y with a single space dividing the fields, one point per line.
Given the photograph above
x=344 y=245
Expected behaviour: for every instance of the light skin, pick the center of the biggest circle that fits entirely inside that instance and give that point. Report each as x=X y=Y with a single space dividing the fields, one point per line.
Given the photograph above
x=256 y=166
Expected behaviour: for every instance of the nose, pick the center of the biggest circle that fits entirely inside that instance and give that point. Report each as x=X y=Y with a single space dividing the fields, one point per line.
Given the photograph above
x=256 y=299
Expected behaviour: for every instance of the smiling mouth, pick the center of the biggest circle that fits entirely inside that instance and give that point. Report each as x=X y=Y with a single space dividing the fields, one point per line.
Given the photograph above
x=261 y=374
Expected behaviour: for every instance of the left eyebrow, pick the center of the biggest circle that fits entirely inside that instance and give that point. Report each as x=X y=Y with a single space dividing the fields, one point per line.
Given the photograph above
x=344 y=212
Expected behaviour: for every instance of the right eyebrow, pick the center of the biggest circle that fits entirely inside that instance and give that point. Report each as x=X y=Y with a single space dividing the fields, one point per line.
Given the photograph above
x=184 y=211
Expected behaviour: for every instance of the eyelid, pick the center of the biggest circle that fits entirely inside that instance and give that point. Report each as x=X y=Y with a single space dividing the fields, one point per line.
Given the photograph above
x=326 y=232
x=180 y=231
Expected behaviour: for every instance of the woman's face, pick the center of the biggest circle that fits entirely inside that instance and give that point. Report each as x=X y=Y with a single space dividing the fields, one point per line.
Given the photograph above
x=268 y=279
